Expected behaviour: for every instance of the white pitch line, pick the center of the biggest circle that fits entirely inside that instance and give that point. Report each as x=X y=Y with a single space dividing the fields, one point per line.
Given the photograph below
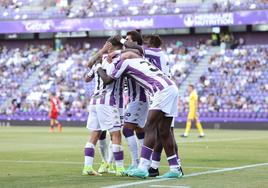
x=75 y=163
x=46 y=162
x=226 y=169
x=189 y=175
x=218 y=140
x=169 y=186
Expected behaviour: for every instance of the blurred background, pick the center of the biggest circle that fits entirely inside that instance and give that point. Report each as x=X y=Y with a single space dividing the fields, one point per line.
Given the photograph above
x=219 y=46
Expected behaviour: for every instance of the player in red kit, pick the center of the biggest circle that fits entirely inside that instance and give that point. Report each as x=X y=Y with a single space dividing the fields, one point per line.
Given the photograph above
x=54 y=111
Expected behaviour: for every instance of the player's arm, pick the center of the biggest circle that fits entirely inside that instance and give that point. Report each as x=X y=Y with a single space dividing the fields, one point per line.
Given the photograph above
x=124 y=54
x=99 y=54
x=131 y=50
x=88 y=79
x=95 y=57
x=134 y=46
x=105 y=78
x=129 y=55
x=165 y=65
x=89 y=76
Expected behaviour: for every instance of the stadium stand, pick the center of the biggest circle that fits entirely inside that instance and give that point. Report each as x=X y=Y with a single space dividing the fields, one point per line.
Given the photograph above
x=218 y=60
x=63 y=72
x=235 y=84
x=183 y=60
x=16 y=66
x=45 y=9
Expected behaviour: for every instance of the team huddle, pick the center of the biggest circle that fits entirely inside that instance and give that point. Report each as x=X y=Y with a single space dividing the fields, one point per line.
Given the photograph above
x=137 y=66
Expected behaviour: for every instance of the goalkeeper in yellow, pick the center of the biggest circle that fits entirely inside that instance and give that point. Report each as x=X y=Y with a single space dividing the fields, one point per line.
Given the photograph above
x=192 y=114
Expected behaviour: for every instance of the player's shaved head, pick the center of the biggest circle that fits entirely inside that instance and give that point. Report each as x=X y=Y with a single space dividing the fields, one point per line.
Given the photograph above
x=146 y=39
x=135 y=37
x=154 y=41
x=115 y=41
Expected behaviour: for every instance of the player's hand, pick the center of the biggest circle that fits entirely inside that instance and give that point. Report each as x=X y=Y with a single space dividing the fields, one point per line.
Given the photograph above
x=106 y=47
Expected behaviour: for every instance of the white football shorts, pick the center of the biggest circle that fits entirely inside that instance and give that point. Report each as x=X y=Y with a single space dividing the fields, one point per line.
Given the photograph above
x=104 y=117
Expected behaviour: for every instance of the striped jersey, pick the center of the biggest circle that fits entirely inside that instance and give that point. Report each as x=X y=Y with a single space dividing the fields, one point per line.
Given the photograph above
x=111 y=94
x=135 y=91
x=151 y=78
x=158 y=58
x=98 y=82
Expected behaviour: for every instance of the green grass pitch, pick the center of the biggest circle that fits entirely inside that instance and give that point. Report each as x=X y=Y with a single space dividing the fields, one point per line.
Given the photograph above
x=32 y=157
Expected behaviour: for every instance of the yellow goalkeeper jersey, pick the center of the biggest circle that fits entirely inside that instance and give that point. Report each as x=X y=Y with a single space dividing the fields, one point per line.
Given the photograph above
x=192 y=102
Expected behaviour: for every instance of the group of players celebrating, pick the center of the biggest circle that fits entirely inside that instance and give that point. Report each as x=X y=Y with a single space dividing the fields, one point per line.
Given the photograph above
x=137 y=65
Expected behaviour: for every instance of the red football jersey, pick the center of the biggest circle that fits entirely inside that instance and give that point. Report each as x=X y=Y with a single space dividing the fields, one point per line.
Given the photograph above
x=54 y=104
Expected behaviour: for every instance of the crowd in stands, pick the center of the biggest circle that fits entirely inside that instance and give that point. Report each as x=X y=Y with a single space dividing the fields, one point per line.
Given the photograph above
x=63 y=73
x=44 y=9
x=184 y=59
x=16 y=65
x=89 y=8
x=235 y=82
x=234 y=5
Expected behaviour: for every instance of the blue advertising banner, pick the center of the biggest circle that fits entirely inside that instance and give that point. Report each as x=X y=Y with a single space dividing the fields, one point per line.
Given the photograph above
x=136 y=22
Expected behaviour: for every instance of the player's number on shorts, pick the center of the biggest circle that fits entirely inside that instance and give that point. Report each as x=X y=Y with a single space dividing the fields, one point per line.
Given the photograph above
x=151 y=67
